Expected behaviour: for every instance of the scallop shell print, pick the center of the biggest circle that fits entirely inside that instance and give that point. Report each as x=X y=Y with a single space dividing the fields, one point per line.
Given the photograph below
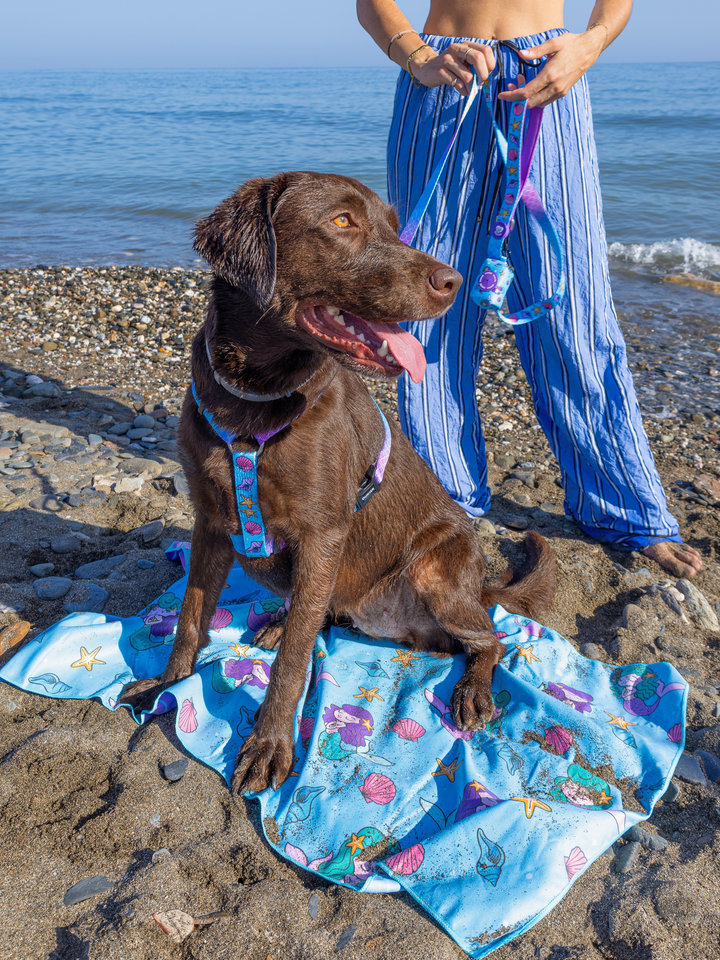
x=408 y=729
x=574 y=862
x=221 y=618
x=187 y=721
x=558 y=739
x=378 y=789
x=407 y=861
x=253 y=528
x=244 y=463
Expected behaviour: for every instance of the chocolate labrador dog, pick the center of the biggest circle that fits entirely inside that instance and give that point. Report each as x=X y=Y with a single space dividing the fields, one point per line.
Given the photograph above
x=310 y=284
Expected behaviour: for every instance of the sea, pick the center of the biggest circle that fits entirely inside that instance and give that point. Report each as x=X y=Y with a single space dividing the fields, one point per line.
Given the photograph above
x=100 y=167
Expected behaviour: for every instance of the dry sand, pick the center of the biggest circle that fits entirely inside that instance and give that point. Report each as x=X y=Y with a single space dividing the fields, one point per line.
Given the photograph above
x=81 y=790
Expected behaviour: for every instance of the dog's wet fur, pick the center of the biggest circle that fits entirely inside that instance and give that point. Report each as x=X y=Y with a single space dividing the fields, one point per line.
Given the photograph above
x=408 y=566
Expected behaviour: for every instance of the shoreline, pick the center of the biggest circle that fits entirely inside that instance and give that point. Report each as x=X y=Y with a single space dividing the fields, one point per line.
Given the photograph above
x=82 y=794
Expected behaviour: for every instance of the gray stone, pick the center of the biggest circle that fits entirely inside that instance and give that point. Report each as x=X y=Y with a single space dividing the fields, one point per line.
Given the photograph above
x=672 y=793
x=52 y=588
x=345 y=938
x=87 y=889
x=593 y=651
x=528 y=478
x=516 y=523
x=635 y=834
x=626 y=858
x=313 y=906
x=689 y=770
x=484 y=527
x=144 y=421
x=128 y=485
x=174 y=771
x=711 y=764
x=698 y=607
x=172 y=421
x=145 y=564
x=716 y=710
x=653 y=841
x=120 y=429
x=138 y=433
x=94 y=439
x=139 y=464
x=632 y=612
x=504 y=461
x=64 y=544
x=46 y=502
x=49 y=390
x=709 y=739
x=42 y=569
x=99 y=568
x=180 y=485
x=87 y=598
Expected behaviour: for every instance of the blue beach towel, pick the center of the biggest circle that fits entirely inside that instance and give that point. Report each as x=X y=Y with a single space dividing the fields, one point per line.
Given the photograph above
x=487 y=830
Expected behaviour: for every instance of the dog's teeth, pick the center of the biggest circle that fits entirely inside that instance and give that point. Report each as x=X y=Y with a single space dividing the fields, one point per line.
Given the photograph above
x=391 y=358
x=351 y=329
x=361 y=337
x=333 y=310
x=384 y=349
x=340 y=319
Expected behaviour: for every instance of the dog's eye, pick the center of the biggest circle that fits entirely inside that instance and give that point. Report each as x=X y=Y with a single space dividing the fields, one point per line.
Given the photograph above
x=342 y=221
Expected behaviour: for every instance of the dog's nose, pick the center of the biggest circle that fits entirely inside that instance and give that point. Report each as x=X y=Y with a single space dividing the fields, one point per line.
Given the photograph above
x=445 y=281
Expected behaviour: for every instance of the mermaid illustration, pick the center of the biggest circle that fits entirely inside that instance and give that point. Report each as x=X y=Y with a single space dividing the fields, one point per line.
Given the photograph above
x=639 y=688
x=347 y=731
x=159 y=622
x=500 y=701
x=230 y=674
x=573 y=698
x=582 y=789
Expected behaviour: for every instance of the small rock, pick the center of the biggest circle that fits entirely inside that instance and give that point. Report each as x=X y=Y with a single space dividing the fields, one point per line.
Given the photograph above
x=175 y=770
x=99 y=568
x=128 y=485
x=138 y=464
x=120 y=429
x=48 y=346
x=626 y=858
x=47 y=503
x=137 y=433
x=672 y=793
x=64 y=544
x=517 y=523
x=528 y=478
x=94 y=439
x=706 y=486
x=345 y=938
x=689 y=770
x=716 y=710
x=313 y=907
x=144 y=421
x=149 y=531
x=52 y=588
x=593 y=651
x=145 y=564
x=711 y=764
x=33 y=379
x=87 y=598
x=635 y=834
x=86 y=889
x=172 y=421
x=162 y=854
x=42 y=569
x=11 y=637
x=484 y=527
x=653 y=841
x=700 y=610
x=180 y=485
x=632 y=612
x=49 y=390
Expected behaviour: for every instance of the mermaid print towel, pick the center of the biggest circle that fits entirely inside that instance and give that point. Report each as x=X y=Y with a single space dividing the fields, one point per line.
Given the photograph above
x=386 y=791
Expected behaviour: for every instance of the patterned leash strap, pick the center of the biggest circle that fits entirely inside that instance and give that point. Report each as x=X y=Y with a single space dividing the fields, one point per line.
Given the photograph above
x=496 y=274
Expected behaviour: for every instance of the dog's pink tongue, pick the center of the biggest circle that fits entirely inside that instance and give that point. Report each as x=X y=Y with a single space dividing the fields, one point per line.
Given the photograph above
x=404 y=347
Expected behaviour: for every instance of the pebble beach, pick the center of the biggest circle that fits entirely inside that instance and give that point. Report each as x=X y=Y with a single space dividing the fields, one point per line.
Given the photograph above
x=93 y=371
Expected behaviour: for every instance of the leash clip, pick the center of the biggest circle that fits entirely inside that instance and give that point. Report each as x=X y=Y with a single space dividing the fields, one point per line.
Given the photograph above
x=367 y=488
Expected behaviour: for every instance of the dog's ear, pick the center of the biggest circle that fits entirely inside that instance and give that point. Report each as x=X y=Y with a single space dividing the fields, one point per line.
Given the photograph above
x=238 y=239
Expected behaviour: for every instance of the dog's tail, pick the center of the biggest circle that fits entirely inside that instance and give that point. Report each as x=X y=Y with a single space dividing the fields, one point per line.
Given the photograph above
x=531 y=590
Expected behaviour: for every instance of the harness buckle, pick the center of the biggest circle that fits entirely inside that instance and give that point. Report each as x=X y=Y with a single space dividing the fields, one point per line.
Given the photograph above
x=368 y=487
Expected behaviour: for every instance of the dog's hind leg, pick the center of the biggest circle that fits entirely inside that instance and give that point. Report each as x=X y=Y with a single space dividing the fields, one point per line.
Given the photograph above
x=211 y=558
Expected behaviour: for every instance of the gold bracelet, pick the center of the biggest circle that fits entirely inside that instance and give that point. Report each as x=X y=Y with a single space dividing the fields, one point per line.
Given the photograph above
x=599 y=23
x=409 y=59
x=397 y=37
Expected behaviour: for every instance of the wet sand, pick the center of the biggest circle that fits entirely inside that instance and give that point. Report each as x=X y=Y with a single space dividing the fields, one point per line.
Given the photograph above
x=81 y=790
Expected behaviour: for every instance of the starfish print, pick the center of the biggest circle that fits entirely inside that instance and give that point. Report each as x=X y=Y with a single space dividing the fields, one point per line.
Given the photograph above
x=245 y=501
x=367 y=724
x=530 y=805
x=447 y=769
x=87 y=659
x=512 y=170
x=516 y=124
x=478 y=786
x=537 y=310
x=505 y=212
x=248 y=511
x=355 y=843
x=239 y=649
x=404 y=657
x=370 y=695
x=604 y=800
x=526 y=652
x=619 y=722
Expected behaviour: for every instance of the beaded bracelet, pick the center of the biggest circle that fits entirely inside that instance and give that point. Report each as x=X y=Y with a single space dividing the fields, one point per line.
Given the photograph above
x=397 y=37
x=409 y=59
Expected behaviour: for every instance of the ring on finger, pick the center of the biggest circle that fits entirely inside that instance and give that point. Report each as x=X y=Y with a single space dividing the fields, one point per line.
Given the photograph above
x=464 y=53
x=453 y=81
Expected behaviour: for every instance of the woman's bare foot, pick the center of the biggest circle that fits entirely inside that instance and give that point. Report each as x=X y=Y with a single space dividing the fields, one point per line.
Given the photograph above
x=680 y=559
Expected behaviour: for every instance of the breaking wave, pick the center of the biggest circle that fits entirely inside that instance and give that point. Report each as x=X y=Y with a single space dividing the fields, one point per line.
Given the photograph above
x=672 y=256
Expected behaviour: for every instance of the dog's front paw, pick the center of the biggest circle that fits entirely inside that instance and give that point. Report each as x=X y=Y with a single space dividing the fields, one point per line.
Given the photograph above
x=269 y=636
x=142 y=694
x=265 y=759
x=472 y=705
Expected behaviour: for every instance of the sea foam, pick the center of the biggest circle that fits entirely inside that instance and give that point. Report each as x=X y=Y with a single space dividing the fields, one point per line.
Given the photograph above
x=684 y=255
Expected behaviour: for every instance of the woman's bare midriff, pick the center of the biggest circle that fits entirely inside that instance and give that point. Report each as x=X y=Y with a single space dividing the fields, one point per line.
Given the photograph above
x=493 y=19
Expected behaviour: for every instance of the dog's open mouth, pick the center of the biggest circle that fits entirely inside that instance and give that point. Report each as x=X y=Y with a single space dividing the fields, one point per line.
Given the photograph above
x=380 y=345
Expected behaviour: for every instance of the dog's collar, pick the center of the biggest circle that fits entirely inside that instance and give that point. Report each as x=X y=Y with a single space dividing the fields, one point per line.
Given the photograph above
x=247 y=394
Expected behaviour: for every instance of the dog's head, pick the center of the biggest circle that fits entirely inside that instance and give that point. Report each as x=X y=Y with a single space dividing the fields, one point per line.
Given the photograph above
x=320 y=254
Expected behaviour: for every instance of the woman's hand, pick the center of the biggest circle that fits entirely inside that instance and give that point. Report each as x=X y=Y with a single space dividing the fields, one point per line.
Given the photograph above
x=454 y=65
x=569 y=56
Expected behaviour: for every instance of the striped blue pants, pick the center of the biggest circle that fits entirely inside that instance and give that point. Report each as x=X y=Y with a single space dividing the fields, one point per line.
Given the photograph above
x=574 y=359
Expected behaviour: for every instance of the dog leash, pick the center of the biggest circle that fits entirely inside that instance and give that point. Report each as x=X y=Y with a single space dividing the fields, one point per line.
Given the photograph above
x=254 y=540
x=517 y=151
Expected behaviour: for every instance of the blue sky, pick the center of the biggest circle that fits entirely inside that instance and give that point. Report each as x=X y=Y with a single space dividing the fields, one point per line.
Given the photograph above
x=71 y=34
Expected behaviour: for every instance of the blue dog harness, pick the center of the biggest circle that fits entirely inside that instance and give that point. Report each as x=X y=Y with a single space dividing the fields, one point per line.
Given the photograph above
x=254 y=541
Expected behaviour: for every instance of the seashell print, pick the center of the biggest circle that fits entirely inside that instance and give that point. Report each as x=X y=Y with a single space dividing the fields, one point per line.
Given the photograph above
x=407 y=861
x=244 y=463
x=574 y=862
x=675 y=733
x=221 y=618
x=253 y=528
x=307 y=725
x=378 y=789
x=255 y=545
x=558 y=739
x=408 y=729
x=187 y=721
